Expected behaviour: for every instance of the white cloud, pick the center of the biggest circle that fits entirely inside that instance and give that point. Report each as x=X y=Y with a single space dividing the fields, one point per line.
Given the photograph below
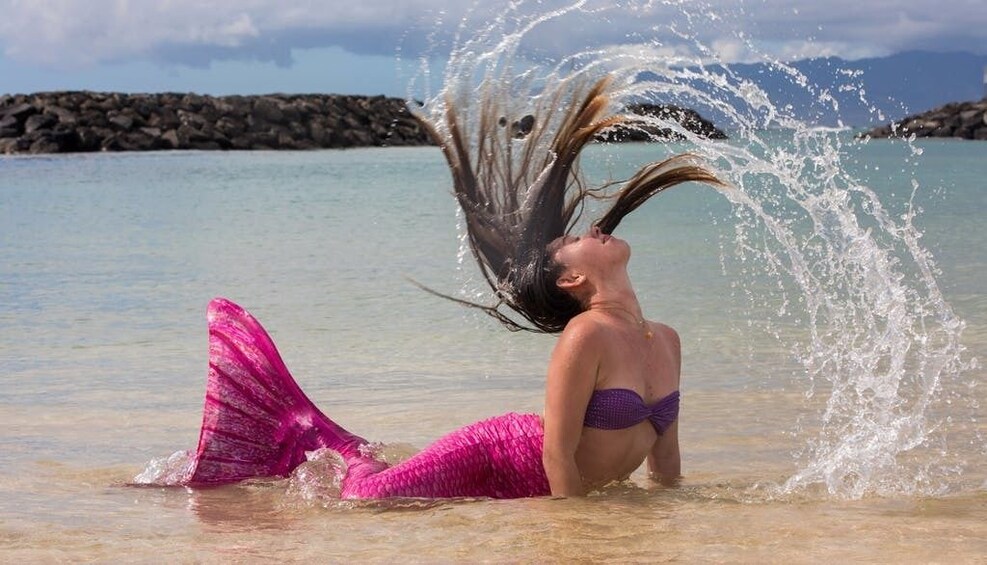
x=72 y=33
x=796 y=50
x=853 y=28
x=232 y=34
x=732 y=50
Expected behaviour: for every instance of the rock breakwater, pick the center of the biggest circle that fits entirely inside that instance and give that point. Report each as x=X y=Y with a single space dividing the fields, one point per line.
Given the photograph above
x=63 y=122
x=71 y=122
x=649 y=130
x=965 y=120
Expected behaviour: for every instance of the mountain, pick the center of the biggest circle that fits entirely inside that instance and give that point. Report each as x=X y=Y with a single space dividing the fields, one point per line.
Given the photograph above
x=898 y=85
x=921 y=80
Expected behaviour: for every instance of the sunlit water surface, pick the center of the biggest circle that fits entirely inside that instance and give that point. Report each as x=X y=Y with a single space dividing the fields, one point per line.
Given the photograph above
x=107 y=263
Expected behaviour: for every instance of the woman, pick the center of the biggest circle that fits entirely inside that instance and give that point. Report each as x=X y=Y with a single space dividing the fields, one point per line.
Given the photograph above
x=612 y=388
x=612 y=385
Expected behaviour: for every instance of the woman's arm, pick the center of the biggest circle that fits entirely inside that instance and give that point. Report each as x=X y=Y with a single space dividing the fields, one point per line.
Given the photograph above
x=572 y=373
x=664 y=461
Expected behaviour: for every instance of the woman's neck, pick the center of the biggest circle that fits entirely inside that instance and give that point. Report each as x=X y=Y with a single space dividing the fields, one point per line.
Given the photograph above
x=618 y=294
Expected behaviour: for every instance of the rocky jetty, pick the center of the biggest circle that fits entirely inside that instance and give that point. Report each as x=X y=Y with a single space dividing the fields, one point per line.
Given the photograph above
x=644 y=130
x=68 y=122
x=63 y=122
x=965 y=120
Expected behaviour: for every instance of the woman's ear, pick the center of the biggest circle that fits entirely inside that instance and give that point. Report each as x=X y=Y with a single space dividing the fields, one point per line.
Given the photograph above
x=570 y=280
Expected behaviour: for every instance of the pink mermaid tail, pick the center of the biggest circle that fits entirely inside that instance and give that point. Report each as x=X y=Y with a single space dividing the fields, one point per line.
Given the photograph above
x=257 y=422
x=496 y=458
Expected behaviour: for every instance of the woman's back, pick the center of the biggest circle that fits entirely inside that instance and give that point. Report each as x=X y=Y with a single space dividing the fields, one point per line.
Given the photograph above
x=638 y=376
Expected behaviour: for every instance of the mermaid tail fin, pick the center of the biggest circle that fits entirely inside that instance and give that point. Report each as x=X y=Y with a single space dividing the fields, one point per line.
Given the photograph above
x=256 y=421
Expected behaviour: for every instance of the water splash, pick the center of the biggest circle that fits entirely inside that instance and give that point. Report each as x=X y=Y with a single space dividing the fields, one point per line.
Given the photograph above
x=320 y=478
x=166 y=471
x=842 y=281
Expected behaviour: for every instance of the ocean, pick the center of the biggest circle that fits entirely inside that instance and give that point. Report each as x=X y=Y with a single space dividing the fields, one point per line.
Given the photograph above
x=108 y=261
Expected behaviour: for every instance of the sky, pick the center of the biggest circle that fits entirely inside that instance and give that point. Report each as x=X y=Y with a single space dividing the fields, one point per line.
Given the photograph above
x=373 y=46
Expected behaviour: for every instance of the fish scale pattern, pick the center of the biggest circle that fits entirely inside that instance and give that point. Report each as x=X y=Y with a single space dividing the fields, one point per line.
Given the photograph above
x=498 y=458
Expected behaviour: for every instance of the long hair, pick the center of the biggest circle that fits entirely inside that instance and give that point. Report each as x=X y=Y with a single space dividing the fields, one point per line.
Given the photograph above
x=517 y=197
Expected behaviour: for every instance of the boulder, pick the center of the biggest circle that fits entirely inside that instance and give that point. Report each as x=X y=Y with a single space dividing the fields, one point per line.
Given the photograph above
x=357 y=138
x=193 y=134
x=20 y=112
x=264 y=139
x=174 y=140
x=143 y=106
x=943 y=131
x=43 y=145
x=972 y=118
x=90 y=139
x=164 y=118
x=122 y=122
x=190 y=102
x=95 y=118
x=117 y=142
x=8 y=145
x=63 y=115
x=267 y=110
x=9 y=122
x=191 y=119
x=39 y=122
x=66 y=138
x=241 y=142
x=319 y=134
x=230 y=127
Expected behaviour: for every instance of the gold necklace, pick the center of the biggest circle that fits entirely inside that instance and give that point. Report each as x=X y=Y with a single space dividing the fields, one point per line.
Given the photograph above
x=648 y=334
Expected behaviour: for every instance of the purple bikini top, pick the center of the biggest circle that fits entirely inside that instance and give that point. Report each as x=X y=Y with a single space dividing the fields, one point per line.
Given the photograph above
x=619 y=408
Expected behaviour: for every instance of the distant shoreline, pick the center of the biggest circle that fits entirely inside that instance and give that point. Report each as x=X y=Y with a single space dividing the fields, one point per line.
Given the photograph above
x=84 y=121
x=963 y=120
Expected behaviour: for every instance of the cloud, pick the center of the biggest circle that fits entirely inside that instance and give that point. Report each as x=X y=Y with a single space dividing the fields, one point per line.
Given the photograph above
x=74 y=33
x=873 y=27
x=71 y=33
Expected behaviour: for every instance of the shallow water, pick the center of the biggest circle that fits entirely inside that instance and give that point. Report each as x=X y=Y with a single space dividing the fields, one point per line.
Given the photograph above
x=107 y=263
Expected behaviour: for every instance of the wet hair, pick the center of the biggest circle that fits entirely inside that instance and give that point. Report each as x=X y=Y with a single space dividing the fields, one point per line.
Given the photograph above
x=520 y=188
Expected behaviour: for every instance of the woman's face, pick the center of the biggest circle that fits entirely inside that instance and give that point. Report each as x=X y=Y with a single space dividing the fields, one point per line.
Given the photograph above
x=593 y=252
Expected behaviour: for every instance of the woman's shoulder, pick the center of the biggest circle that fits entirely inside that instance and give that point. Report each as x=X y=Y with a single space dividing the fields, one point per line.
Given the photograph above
x=583 y=326
x=581 y=343
x=587 y=330
x=665 y=332
x=668 y=339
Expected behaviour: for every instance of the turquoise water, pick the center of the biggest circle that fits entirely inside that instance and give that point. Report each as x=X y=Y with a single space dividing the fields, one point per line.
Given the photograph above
x=107 y=262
